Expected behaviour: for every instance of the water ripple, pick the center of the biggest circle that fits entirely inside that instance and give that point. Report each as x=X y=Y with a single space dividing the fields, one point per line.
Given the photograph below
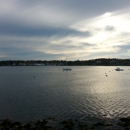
x=80 y=93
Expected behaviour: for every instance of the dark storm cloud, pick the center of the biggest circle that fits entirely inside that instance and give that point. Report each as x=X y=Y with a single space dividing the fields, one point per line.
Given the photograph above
x=16 y=29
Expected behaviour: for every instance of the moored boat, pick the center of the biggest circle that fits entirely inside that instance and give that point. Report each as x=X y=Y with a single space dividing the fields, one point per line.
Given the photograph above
x=118 y=69
x=66 y=69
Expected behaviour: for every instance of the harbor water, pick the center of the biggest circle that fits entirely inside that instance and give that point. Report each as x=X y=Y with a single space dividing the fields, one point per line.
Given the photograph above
x=28 y=93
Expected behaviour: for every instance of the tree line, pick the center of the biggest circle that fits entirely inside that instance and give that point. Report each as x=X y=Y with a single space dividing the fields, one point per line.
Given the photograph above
x=97 y=62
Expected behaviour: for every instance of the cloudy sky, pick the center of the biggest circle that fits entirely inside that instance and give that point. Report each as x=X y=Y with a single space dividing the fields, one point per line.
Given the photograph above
x=54 y=29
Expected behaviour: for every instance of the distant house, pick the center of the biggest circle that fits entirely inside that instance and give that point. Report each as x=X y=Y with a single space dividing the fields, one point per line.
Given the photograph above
x=113 y=61
x=98 y=62
x=14 y=64
x=22 y=64
x=37 y=64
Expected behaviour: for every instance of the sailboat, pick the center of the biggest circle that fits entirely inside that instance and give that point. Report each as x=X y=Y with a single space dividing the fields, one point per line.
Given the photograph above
x=66 y=69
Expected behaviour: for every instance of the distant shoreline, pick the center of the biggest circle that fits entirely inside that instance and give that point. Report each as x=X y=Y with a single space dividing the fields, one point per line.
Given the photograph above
x=91 y=62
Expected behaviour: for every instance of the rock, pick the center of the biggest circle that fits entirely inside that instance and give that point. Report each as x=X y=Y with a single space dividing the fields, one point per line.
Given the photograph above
x=63 y=122
x=15 y=124
x=125 y=119
x=124 y=124
x=91 y=127
x=27 y=126
x=82 y=127
x=41 y=123
x=108 y=124
x=99 y=124
x=69 y=124
x=6 y=122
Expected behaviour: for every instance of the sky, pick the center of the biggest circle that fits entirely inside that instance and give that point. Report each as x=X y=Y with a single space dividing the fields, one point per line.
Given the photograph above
x=56 y=29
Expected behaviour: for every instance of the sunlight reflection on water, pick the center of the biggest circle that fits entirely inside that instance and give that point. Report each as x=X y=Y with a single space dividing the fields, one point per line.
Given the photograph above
x=82 y=92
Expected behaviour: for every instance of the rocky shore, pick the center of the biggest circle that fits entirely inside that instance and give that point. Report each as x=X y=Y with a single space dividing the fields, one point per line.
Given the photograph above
x=53 y=124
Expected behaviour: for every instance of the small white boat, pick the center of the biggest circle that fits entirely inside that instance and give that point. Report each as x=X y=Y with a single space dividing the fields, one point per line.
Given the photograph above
x=66 y=69
x=118 y=69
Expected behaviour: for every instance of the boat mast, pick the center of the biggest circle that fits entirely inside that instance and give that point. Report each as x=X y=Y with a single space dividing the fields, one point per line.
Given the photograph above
x=66 y=61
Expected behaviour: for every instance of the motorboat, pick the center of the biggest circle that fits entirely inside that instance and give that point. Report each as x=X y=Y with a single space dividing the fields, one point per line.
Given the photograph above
x=119 y=69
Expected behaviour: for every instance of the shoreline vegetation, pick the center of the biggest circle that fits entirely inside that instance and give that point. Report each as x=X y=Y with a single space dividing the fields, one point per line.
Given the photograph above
x=91 y=62
x=70 y=124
